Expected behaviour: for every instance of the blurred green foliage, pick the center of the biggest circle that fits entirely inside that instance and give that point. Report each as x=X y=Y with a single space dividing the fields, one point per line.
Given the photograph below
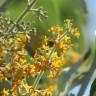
x=57 y=11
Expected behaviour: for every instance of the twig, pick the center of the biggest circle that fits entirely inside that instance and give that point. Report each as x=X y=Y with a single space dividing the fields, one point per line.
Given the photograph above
x=22 y=15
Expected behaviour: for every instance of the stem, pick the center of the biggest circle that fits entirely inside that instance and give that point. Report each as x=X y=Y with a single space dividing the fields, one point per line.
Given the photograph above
x=38 y=79
x=22 y=15
x=49 y=57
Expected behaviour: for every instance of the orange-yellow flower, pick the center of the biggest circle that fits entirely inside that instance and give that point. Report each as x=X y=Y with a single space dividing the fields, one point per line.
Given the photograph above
x=16 y=58
x=56 y=29
x=75 y=32
x=1 y=50
x=5 y=92
x=67 y=38
x=22 y=40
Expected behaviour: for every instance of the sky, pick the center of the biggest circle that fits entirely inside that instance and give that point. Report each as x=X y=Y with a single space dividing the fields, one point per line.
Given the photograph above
x=91 y=27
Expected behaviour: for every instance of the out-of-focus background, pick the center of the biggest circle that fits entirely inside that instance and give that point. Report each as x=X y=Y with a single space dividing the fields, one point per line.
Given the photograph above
x=83 y=14
x=57 y=11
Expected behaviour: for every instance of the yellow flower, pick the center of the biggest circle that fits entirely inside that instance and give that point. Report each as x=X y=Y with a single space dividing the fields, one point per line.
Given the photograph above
x=62 y=46
x=75 y=32
x=23 y=53
x=56 y=29
x=38 y=67
x=23 y=61
x=68 y=23
x=67 y=38
x=14 y=91
x=22 y=40
x=57 y=63
x=54 y=74
x=52 y=88
x=26 y=86
x=29 y=69
x=5 y=92
x=1 y=59
x=15 y=70
x=15 y=48
x=17 y=58
x=1 y=50
x=1 y=76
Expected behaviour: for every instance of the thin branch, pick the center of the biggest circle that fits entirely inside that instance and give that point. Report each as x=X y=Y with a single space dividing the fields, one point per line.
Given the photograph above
x=22 y=15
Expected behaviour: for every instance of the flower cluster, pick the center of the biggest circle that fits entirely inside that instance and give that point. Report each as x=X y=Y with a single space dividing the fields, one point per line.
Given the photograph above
x=17 y=66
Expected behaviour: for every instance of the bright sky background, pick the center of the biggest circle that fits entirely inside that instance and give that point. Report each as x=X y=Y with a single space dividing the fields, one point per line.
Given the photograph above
x=91 y=28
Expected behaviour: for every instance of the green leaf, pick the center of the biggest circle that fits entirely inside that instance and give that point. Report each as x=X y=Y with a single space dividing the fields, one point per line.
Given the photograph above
x=93 y=88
